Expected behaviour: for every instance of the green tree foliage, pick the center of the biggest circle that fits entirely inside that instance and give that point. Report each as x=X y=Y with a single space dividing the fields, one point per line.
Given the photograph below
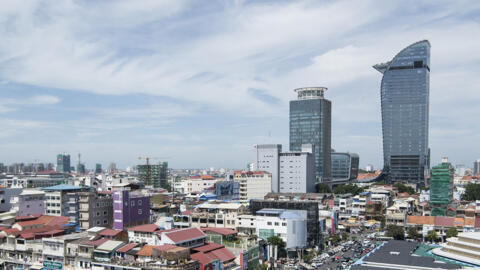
x=349 y=188
x=323 y=188
x=336 y=239
x=344 y=236
x=472 y=192
x=452 y=232
x=396 y=232
x=276 y=241
x=412 y=233
x=432 y=236
x=403 y=188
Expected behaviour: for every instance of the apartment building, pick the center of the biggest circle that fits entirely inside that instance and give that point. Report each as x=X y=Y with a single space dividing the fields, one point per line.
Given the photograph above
x=62 y=200
x=29 y=202
x=213 y=214
x=253 y=185
x=130 y=208
x=95 y=209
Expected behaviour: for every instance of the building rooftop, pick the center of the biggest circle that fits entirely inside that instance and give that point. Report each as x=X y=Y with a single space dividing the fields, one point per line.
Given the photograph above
x=222 y=231
x=63 y=187
x=109 y=232
x=127 y=247
x=96 y=229
x=144 y=228
x=109 y=245
x=27 y=191
x=183 y=235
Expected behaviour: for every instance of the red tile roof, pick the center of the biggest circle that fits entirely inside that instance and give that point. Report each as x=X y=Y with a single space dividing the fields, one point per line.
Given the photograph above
x=24 y=218
x=127 y=247
x=109 y=232
x=164 y=247
x=185 y=235
x=222 y=231
x=144 y=228
x=208 y=247
x=186 y=213
x=12 y=231
x=223 y=254
x=95 y=243
x=145 y=251
x=445 y=221
x=203 y=258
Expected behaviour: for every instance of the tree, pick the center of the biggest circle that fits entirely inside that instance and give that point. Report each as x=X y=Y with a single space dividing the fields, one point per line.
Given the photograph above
x=278 y=242
x=403 y=188
x=382 y=223
x=335 y=239
x=323 y=188
x=412 y=233
x=344 y=236
x=432 y=236
x=349 y=188
x=396 y=232
x=452 y=232
x=472 y=192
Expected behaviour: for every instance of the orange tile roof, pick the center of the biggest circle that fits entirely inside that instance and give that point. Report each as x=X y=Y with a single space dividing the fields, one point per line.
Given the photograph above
x=421 y=220
x=145 y=251
x=470 y=221
x=144 y=228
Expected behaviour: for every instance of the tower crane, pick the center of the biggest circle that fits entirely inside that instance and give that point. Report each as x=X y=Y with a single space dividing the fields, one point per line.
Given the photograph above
x=147 y=166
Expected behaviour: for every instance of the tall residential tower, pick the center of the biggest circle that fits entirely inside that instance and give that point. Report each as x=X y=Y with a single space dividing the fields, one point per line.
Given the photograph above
x=310 y=123
x=405 y=92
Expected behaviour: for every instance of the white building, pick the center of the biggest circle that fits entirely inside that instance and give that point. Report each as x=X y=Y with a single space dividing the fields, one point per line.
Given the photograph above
x=290 y=225
x=465 y=247
x=197 y=184
x=29 y=202
x=359 y=204
x=144 y=234
x=292 y=172
x=247 y=224
x=253 y=185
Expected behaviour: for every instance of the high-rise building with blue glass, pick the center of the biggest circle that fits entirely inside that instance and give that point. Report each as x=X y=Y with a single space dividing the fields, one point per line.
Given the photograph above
x=310 y=123
x=405 y=91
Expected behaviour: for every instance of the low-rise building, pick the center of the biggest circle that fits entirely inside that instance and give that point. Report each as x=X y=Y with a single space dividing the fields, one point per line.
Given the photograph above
x=95 y=209
x=253 y=185
x=290 y=225
x=212 y=214
x=62 y=200
x=29 y=202
x=130 y=209
x=190 y=237
x=144 y=234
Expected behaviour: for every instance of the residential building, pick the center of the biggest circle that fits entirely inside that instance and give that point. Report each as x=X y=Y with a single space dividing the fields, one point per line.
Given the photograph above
x=95 y=209
x=310 y=123
x=359 y=204
x=404 y=95
x=197 y=184
x=213 y=214
x=130 y=208
x=6 y=195
x=106 y=251
x=29 y=202
x=63 y=163
x=344 y=167
x=290 y=225
x=253 y=185
x=189 y=237
x=144 y=234
x=267 y=158
x=247 y=224
x=62 y=200
x=441 y=187
x=55 y=248
x=155 y=175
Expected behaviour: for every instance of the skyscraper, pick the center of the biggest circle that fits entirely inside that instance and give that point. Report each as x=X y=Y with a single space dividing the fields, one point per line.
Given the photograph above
x=476 y=167
x=63 y=163
x=405 y=91
x=310 y=123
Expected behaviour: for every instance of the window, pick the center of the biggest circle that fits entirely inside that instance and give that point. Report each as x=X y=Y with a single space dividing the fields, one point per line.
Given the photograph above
x=98 y=214
x=139 y=202
x=104 y=221
x=104 y=213
x=139 y=211
x=98 y=222
x=276 y=223
x=133 y=203
x=269 y=223
x=284 y=224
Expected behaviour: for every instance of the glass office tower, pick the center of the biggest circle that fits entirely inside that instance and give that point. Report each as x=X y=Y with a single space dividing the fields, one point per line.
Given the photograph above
x=405 y=91
x=310 y=123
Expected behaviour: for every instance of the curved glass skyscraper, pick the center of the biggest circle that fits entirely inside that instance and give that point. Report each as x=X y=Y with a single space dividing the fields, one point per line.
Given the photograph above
x=405 y=91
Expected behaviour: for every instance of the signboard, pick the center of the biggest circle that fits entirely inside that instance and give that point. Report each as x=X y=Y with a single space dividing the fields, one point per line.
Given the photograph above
x=51 y=265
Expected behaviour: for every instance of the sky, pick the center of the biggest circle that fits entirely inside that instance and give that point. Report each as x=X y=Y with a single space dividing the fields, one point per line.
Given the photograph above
x=198 y=83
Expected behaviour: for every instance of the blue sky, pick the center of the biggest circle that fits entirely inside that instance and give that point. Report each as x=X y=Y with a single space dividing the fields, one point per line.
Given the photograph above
x=201 y=82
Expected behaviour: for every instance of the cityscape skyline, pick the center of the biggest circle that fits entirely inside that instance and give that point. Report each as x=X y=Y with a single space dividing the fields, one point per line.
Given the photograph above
x=114 y=105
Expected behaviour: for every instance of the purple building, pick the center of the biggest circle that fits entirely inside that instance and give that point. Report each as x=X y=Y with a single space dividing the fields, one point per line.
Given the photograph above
x=130 y=209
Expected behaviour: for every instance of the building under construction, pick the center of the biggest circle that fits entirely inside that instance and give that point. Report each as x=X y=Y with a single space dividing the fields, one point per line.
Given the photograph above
x=441 y=187
x=155 y=175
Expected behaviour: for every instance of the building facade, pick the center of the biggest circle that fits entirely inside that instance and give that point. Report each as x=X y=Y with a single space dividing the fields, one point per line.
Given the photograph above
x=62 y=200
x=405 y=90
x=253 y=185
x=267 y=158
x=476 y=167
x=29 y=202
x=95 y=210
x=297 y=171
x=63 y=163
x=441 y=187
x=155 y=175
x=310 y=123
x=130 y=209
x=344 y=166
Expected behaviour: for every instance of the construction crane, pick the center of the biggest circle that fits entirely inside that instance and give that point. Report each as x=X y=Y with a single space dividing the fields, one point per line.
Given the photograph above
x=147 y=168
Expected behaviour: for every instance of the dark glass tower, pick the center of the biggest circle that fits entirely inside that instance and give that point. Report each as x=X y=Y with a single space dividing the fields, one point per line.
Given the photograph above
x=310 y=123
x=63 y=163
x=405 y=91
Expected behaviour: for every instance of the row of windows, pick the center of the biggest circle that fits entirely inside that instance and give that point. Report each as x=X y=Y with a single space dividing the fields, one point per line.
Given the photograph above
x=276 y=223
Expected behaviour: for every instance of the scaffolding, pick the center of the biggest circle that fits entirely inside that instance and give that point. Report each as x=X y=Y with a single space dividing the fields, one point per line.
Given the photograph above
x=441 y=188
